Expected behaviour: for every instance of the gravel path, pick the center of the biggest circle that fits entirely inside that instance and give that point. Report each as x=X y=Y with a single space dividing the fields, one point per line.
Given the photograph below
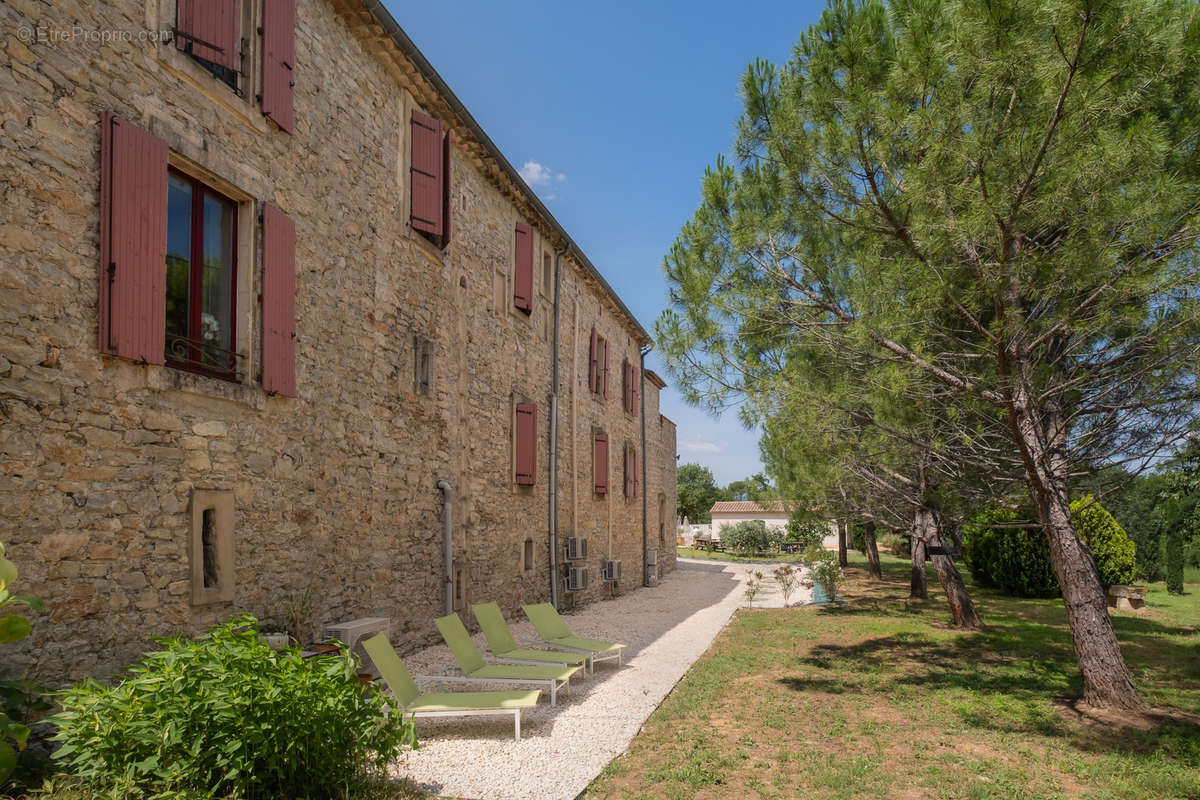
x=562 y=749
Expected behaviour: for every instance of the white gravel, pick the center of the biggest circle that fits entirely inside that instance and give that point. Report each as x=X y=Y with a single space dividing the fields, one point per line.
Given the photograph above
x=562 y=749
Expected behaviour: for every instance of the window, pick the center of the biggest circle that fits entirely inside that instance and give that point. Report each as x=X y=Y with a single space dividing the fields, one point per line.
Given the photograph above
x=169 y=271
x=201 y=279
x=526 y=444
x=422 y=365
x=210 y=32
x=600 y=462
x=523 y=268
x=429 y=195
x=547 y=275
x=528 y=555
x=598 y=365
x=211 y=546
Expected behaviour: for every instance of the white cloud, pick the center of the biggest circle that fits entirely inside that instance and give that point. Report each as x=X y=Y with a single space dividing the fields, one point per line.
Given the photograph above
x=699 y=446
x=536 y=174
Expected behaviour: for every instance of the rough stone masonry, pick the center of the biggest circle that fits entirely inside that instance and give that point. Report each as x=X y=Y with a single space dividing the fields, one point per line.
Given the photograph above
x=104 y=462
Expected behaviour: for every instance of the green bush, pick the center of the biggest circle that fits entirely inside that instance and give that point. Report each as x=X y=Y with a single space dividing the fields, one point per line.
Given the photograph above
x=227 y=716
x=1112 y=550
x=803 y=530
x=1017 y=560
x=17 y=699
x=750 y=537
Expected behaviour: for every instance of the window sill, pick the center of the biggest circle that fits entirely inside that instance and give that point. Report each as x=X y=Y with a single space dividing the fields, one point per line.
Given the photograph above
x=167 y=378
x=434 y=253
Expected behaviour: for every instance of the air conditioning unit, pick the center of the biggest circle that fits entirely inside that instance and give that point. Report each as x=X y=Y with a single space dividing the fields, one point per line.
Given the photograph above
x=577 y=548
x=651 y=558
x=610 y=570
x=577 y=579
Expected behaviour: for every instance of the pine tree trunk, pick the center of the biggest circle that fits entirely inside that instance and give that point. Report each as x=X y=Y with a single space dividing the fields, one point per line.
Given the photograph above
x=918 y=590
x=961 y=607
x=843 y=529
x=873 y=570
x=1106 y=679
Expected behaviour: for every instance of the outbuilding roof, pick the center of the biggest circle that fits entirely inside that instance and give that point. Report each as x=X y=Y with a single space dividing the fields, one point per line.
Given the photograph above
x=750 y=507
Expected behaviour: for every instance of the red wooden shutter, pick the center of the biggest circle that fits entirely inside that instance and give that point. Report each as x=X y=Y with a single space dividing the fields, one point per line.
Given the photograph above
x=523 y=274
x=633 y=457
x=212 y=28
x=600 y=462
x=133 y=241
x=446 y=188
x=635 y=380
x=605 y=343
x=279 y=60
x=279 y=302
x=427 y=173
x=594 y=364
x=526 y=443
x=625 y=470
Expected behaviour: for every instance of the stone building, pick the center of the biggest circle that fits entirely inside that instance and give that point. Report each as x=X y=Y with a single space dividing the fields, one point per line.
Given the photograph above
x=273 y=311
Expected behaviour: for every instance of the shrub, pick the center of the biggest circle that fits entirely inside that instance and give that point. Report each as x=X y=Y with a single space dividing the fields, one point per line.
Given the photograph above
x=15 y=700
x=1112 y=550
x=826 y=572
x=227 y=716
x=803 y=530
x=749 y=537
x=1017 y=560
x=894 y=543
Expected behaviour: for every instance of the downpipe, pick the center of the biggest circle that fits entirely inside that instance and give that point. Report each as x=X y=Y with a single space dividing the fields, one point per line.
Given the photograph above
x=448 y=541
x=645 y=487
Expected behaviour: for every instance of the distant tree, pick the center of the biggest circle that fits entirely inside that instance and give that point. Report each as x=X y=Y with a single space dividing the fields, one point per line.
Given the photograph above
x=697 y=490
x=756 y=488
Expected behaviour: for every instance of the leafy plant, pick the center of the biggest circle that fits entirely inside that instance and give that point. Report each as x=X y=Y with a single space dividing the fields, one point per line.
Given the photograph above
x=826 y=571
x=227 y=716
x=753 y=587
x=788 y=579
x=750 y=537
x=803 y=530
x=1016 y=559
x=298 y=615
x=13 y=628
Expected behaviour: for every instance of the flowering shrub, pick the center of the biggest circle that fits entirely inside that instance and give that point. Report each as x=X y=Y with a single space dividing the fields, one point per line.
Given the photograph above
x=753 y=587
x=788 y=579
x=827 y=573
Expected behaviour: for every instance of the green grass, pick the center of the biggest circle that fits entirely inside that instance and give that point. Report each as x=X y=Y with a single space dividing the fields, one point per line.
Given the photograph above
x=881 y=698
x=773 y=558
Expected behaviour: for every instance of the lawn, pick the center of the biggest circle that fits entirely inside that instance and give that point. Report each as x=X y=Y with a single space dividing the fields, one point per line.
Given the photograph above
x=881 y=699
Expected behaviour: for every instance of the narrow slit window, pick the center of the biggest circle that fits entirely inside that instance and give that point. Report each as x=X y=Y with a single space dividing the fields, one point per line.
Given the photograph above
x=208 y=544
x=529 y=555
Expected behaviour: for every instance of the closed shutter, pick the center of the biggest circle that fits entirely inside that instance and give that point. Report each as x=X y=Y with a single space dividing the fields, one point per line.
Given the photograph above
x=625 y=468
x=279 y=59
x=211 y=30
x=133 y=241
x=633 y=457
x=526 y=443
x=523 y=273
x=600 y=462
x=594 y=364
x=427 y=173
x=279 y=303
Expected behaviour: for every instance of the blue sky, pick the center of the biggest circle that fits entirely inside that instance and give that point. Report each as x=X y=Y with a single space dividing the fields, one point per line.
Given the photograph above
x=612 y=111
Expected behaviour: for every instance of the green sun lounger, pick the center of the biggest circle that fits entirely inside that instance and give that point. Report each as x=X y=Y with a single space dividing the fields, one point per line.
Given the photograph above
x=410 y=700
x=475 y=669
x=554 y=632
x=504 y=646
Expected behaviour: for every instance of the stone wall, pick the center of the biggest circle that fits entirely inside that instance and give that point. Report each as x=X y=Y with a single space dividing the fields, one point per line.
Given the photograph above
x=334 y=490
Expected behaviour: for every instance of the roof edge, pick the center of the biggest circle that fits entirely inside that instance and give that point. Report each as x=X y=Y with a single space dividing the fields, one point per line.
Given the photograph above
x=384 y=17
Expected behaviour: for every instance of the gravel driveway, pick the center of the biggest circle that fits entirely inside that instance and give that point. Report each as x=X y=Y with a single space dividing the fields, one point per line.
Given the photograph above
x=562 y=749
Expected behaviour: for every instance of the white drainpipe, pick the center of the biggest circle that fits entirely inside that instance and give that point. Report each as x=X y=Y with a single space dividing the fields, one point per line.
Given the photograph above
x=448 y=541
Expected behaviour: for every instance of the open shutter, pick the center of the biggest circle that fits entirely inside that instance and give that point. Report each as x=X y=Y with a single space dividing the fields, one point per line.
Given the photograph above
x=604 y=343
x=526 y=443
x=133 y=241
x=593 y=364
x=523 y=274
x=279 y=59
x=446 y=188
x=211 y=30
x=427 y=173
x=633 y=459
x=625 y=469
x=279 y=302
x=600 y=462
x=635 y=380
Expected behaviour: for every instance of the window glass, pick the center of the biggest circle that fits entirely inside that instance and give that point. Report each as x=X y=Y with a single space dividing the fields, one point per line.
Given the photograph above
x=179 y=246
x=216 y=318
